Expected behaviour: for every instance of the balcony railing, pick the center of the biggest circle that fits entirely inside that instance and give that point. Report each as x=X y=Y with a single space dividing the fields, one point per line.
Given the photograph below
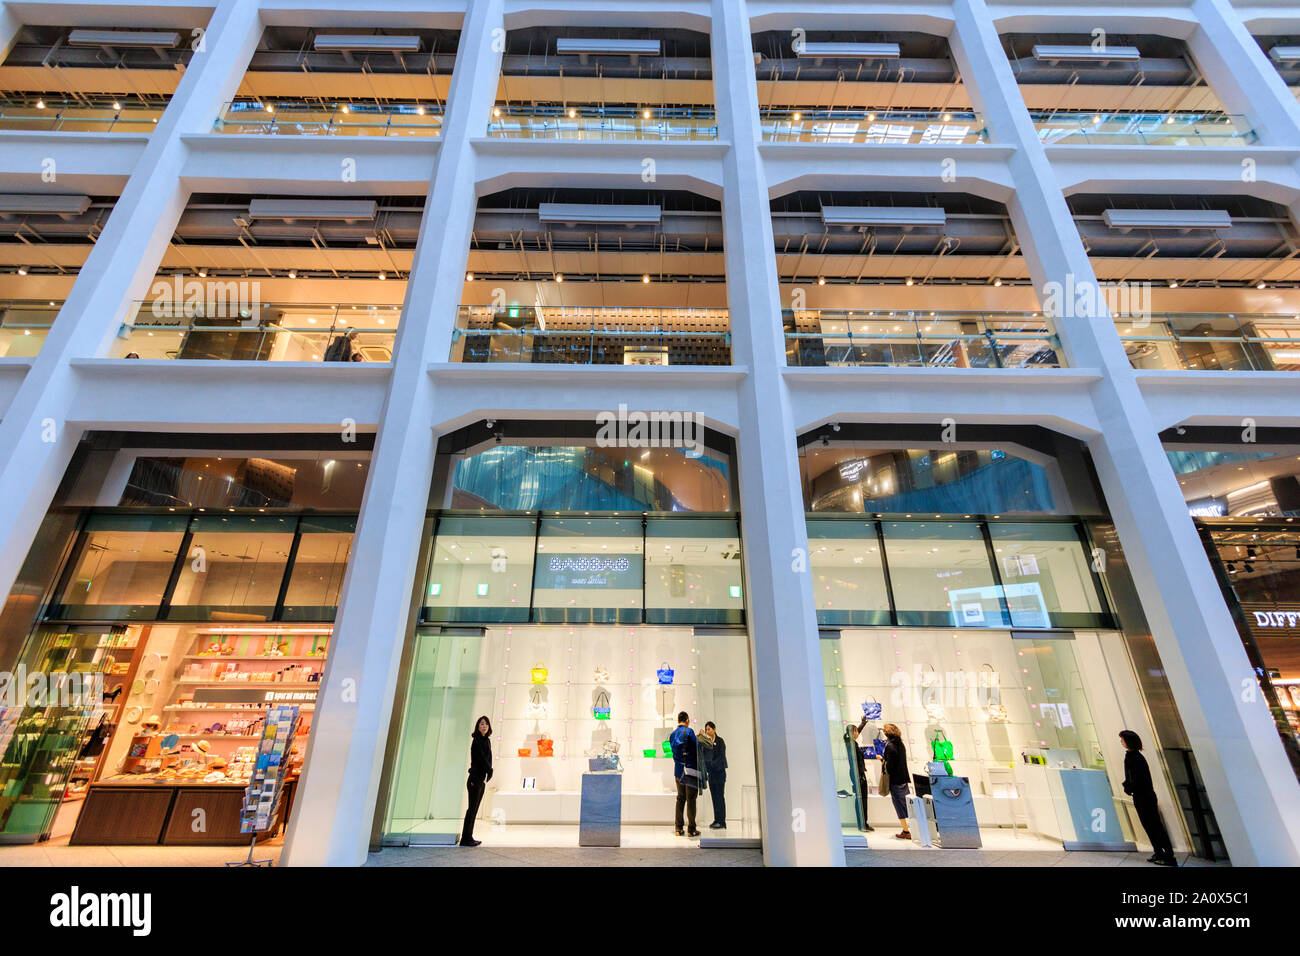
x=260 y=333
x=591 y=336
x=603 y=123
x=1213 y=342
x=344 y=119
x=843 y=337
x=883 y=127
x=23 y=327
x=1143 y=129
x=80 y=119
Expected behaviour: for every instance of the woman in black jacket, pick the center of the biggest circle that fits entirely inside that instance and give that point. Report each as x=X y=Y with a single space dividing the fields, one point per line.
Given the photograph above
x=1138 y=785
x=480 y=772
x=895 y=766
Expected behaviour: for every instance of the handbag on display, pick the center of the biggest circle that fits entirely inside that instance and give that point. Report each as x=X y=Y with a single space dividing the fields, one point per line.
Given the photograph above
x=941 y=747
x=994 y=709
x=879 y=745
x=933 y=709
x=525 y=751
x=536 y=706
x=545 y=747
x=600 y=675
x=871 y=709
x=538 y=673
x=665 y=673
x=649 y=752
x=600 y=710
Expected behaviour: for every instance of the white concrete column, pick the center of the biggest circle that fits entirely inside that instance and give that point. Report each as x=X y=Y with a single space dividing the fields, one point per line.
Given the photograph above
x=1242 y=74
x=801 y=822
x=344 y=762
x=36 y=443
x=10 y=24
x=1252 y=788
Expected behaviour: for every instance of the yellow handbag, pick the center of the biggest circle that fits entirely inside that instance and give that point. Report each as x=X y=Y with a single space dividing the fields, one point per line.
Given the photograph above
x=538 y=673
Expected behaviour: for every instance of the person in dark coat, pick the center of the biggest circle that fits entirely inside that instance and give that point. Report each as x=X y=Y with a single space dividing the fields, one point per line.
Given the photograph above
x=895 y=761
x=480 y=772
x=686 y=769
x=713 y=760
x=1138 y=785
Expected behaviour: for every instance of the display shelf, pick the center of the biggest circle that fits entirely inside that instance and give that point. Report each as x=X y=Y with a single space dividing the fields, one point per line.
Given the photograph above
x=232 y=709
x=283 y=684
x=297 y=658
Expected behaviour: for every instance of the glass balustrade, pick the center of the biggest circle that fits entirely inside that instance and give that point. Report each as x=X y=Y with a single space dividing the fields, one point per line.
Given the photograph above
x=592 y=336
x=602 y=123
x=333 y=119
x=80 y=119
x=1142 y=129
x=23 y=327
x=842 y=337
x=260 y=333
x=881 y=127
x=1213 y=342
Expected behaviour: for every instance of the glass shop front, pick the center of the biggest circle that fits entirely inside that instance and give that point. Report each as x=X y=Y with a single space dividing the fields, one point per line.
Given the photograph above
x=991 y=646
x=178 y=654
x=580 y=637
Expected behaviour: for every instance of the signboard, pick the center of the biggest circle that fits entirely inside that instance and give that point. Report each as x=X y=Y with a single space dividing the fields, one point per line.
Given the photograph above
x=247 y=693
x=605 y=572
x=1281 y=619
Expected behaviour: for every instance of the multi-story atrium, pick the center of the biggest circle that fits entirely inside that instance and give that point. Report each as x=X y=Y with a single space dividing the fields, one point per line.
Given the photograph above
x=805 y=367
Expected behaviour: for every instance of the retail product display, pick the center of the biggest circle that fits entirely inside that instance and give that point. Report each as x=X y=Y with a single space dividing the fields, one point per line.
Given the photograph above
x=665 y=673
x=538 y=673
x=271 y=766
x=871 y=709
x=600 y=710
x=941 y=748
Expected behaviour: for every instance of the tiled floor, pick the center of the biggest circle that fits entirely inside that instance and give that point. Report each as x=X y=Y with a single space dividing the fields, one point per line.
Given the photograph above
x=49 y=854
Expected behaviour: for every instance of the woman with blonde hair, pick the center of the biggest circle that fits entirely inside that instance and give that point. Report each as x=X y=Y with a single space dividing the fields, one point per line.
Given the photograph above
x=896 y=775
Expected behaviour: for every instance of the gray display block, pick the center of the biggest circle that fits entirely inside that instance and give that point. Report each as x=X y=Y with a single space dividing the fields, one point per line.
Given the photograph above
x=600 y=818
x=954 y=813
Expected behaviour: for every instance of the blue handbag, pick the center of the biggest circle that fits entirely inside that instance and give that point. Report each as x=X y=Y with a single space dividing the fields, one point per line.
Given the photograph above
x=879 y=744
x=665 y=673
x=871 y=709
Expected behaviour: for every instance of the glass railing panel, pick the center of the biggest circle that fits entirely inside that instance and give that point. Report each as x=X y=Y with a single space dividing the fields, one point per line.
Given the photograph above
x=24 y=326
x=1143 y=129
x=79 y=119
x=1213 y=342
x=296 y=119
x=883 y=127
x=603 y=124
x=267 y=333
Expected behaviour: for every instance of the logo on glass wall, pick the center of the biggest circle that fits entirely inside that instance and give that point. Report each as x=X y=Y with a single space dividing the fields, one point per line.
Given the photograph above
x=616 y=572
x=655 y=429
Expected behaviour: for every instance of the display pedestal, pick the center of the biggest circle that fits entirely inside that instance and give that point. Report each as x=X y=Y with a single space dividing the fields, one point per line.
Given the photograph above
x=1075 y=806
x=601 y=815
x=954 y=813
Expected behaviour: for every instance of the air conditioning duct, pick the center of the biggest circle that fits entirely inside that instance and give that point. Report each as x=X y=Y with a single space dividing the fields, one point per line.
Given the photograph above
x=129 y=38
x=1084 y=53
x=850 y=51
x=595 y=213
x=43 y=204
x=348 y=210
x=1167 y=219
x=331 y=42
x=883 y=216
x=607 y=46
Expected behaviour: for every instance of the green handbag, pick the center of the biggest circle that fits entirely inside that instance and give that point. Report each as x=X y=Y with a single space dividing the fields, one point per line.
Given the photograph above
x=648 y=752
x=941 y=747
x=668 y=749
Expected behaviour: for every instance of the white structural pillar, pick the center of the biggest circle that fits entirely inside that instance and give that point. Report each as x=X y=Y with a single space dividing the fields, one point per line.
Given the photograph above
x=1242 y=75
x=119 y=269
x=801 y=821
x=344 y=762
x=1252 y=789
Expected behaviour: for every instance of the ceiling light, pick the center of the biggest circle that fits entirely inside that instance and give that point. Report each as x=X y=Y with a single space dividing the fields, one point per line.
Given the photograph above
x=1053 y=53
x=293 y=273
x=567 y=212
x=797 y=117
x=419 y=111
x=367 y=42
x=469 y=277
x=40 y=104
x=646 y=278
x=1261 y=284
x=645 y=114
x=947 y=117
x=1173 y=283
x=496 y=111
x=344 y=107
x=137 y=38
x=997 y=282
x=572 y=113
x=845 y=51
x=559 y=277
x=883 y=216
x=116 y=105
x=22 y=270
x=1167 y=218
x=270 y=108
x=607 y=46
x=821 y=280
x=383 y=275
x=203 y=273
x=909 y=280
x=289 y=209
x=871 y=117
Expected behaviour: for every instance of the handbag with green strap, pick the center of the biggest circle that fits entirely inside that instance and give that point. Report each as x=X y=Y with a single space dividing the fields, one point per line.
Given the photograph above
x=941 y=747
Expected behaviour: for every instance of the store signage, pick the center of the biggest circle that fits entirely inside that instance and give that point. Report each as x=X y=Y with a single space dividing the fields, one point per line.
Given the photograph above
x=615 y=572
x=852 y=470
x=1276 y=619
x=1207 y=508
x=252 y=694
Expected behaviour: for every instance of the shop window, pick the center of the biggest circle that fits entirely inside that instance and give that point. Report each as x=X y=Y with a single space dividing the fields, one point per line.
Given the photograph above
x=319 y=564
x=1046 y=576
x=848 y=573
x=940 y=575
x=588 y=571
x=233 y=568
x=693 y=571
x=481 y=569
x=122 y=568
x=544 y=731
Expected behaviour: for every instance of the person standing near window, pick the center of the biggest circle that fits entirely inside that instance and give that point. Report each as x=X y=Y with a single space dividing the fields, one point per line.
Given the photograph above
x=686 y=769
x=713 y=754
x=895 y=767
x=480 y=772
x=1138 y=785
